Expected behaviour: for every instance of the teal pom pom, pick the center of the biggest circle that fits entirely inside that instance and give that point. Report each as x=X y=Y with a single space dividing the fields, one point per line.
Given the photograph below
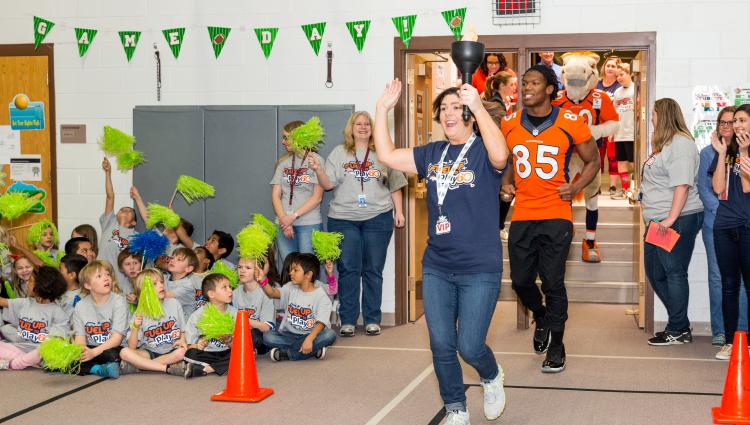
x=191 y=189
x=214 y=324
x=161 y=214
x=308 y=136
x=15 y=204
x=150 y=244
x=326 y=245
x=35 y=232
x=115 y=142
x=268 y=226
x=253 y=242
x=231 y=274
x=129 y=160
x=148 y=301
x=59 y=354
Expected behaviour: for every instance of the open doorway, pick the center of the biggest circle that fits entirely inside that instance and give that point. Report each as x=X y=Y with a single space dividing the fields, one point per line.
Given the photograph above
x=427 y=69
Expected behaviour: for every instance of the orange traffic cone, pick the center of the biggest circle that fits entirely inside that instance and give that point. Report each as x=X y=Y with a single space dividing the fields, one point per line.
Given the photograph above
x=242 y=380
x=735 y=403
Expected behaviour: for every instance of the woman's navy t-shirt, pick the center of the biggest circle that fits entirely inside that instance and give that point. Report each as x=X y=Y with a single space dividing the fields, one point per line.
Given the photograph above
x=471 y=205
x=735 y=211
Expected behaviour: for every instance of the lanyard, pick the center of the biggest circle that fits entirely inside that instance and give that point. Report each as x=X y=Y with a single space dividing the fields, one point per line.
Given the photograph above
x=362 y=165
x=293 y=176
x=442 y=182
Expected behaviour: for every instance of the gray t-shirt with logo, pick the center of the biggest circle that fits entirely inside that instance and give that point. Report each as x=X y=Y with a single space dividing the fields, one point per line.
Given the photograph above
x=184 y=292
x=35 y=321
x=675 y=165
x=160 y=335
x=113 y=240
x=69 y=300
x=193 y=334
x=304 y=309
x=304 y=184
x=98 y=322
x=256 y=302
x=352 y=179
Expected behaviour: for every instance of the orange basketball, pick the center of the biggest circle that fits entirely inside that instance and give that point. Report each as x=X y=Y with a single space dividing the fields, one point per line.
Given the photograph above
x=21 y=101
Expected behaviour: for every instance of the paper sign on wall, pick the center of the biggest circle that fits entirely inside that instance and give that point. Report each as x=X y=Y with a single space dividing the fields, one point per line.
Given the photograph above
x=10 y=143
x=26 y=167
x=30 y=117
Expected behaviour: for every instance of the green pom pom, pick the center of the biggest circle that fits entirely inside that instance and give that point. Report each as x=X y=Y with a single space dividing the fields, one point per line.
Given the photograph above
x=35 y=232
x=47 y=259
x=253 y=242
x=161 y=214
x=115 y=142
x=268 y=226
x=231 y=274
x=308 y=136
x=148 y=301
x=214 y=324
x=326 y=245
x=191 y=189
x=59 y=354
x=9 y=290
x=15 y=204
x=129 y=160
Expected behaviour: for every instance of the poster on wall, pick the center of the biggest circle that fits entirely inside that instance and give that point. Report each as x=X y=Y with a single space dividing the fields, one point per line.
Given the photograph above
x=26 y=115
x=741 y=96
x=10 y=143
x=26 y=167
x=707 y=102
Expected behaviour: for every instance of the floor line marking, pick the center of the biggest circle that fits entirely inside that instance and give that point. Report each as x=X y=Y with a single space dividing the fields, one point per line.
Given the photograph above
x=50 y=400
x=400 y=396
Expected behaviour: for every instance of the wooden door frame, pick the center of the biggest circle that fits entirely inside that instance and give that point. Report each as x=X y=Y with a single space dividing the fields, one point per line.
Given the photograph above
x=48 y=50
x=522 y=44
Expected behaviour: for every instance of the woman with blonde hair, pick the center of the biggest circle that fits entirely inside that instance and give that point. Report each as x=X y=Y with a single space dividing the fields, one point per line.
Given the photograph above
x=669 y=200
x=367 y=202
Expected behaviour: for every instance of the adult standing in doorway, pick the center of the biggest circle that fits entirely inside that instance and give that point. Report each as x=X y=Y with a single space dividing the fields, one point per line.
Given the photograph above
x=491 y=65
x=367 y=202
x=731 y=180
x=541 y=138
x=548 y=59
x=296 y=197
x=609 y=83
x=669 y=200
x=624 y=139
x=462 y=265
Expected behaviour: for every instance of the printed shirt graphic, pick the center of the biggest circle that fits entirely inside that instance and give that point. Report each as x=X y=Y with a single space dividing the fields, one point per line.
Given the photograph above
x=256 y=302
x=304 y=184
x=98 y=322
x=471 y=205
x=160 y=335
x=200 y=300
x=193 y=334
x=34 y=321
x=541 y=162
x=734 y=204
x=596 y=100
x=114 y=239
x=304 y=309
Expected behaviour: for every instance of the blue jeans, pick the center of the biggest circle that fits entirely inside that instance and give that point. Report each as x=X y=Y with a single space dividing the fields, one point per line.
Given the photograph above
x=459 y=308
x=733 y=257
x=301 y=242
x=714 y=286
x=668 y=271
x=291 y=342
x=360 y=267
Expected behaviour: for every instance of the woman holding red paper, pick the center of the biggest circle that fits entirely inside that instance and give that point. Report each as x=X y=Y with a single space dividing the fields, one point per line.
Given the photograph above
x=669 y=200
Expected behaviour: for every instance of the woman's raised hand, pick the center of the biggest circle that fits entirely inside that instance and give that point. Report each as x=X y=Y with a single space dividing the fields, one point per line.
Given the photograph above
x=470 y=97
x=743 y=139
x=718 y=144
x=390 y=96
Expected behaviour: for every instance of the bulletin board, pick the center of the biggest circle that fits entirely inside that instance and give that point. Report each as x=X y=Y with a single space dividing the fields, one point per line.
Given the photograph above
x=27 y=156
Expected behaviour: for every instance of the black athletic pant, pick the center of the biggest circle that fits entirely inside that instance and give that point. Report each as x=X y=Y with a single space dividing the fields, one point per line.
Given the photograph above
x=218 y=360
x=541 y=247
x=107 y=356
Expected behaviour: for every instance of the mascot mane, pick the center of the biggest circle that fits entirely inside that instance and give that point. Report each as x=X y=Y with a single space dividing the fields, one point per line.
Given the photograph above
x=579 y=74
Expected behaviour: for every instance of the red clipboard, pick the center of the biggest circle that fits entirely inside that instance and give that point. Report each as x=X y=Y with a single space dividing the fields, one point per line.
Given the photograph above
x=666 y=241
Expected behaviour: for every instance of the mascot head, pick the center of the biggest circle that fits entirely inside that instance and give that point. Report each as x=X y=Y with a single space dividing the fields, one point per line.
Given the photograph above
x=579 y=74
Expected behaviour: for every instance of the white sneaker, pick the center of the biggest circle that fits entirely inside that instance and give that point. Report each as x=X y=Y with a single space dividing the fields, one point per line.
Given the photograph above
x=504 y=235
x=494 y=396
x=457 y=417
x=4 y=364
x=725 y=353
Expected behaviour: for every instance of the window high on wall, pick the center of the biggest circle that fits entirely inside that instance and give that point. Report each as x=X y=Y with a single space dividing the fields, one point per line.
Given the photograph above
x=516 y=12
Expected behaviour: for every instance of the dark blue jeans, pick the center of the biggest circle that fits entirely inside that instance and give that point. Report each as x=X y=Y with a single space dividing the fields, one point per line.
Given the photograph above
x=458 y=309
x=360 y=267
x=668 y=271
x=291 y=342
x=733 y=257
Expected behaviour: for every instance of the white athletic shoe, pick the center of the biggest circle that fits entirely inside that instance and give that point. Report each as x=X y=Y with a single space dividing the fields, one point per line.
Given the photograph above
x=494 y=396
x=725 y=352
x=457 y=417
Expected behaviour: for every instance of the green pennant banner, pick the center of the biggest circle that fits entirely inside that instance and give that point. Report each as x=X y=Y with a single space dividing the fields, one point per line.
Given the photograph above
x=314 y=34
x=405 y=26
x=84 y=37
x=219 y=37
x=174 y=38
x=358 y=30
x=266 y=37
x=42 y=27
x=455 y=20
x=129 y=40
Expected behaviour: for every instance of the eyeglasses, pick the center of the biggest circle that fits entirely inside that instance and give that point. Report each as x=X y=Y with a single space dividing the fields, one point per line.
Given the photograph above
x=725 y=123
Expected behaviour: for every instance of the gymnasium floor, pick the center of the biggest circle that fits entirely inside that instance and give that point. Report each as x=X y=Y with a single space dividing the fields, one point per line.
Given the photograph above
x=612 y=377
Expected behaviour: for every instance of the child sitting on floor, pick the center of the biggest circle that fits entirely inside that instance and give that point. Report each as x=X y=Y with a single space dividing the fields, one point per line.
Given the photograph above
x=156 y=344
x=100 y=320
x=35 y=318
x=305 y=330
x=70 y=268
x=209 y=356
x=129 y=264
x=249 y=296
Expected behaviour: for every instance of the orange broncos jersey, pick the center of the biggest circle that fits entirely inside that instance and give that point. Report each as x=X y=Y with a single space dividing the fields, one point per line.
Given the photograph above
x=597 y=107
x=540 y=160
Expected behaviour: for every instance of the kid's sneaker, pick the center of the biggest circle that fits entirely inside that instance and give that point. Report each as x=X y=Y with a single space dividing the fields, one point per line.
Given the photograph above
x=176 y=369
x=192 y=370
x=725 y=353
x=127 y=368
x=321 y=354
x=278 y=355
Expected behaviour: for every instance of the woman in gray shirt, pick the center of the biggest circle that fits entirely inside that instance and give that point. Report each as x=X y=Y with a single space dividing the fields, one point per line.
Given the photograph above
x=669 y=199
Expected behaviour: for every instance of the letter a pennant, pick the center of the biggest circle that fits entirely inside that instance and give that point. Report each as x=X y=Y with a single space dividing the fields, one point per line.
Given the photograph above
x=314 y=34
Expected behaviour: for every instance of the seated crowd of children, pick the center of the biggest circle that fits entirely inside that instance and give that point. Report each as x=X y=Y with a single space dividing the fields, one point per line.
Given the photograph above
x=89 y=293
